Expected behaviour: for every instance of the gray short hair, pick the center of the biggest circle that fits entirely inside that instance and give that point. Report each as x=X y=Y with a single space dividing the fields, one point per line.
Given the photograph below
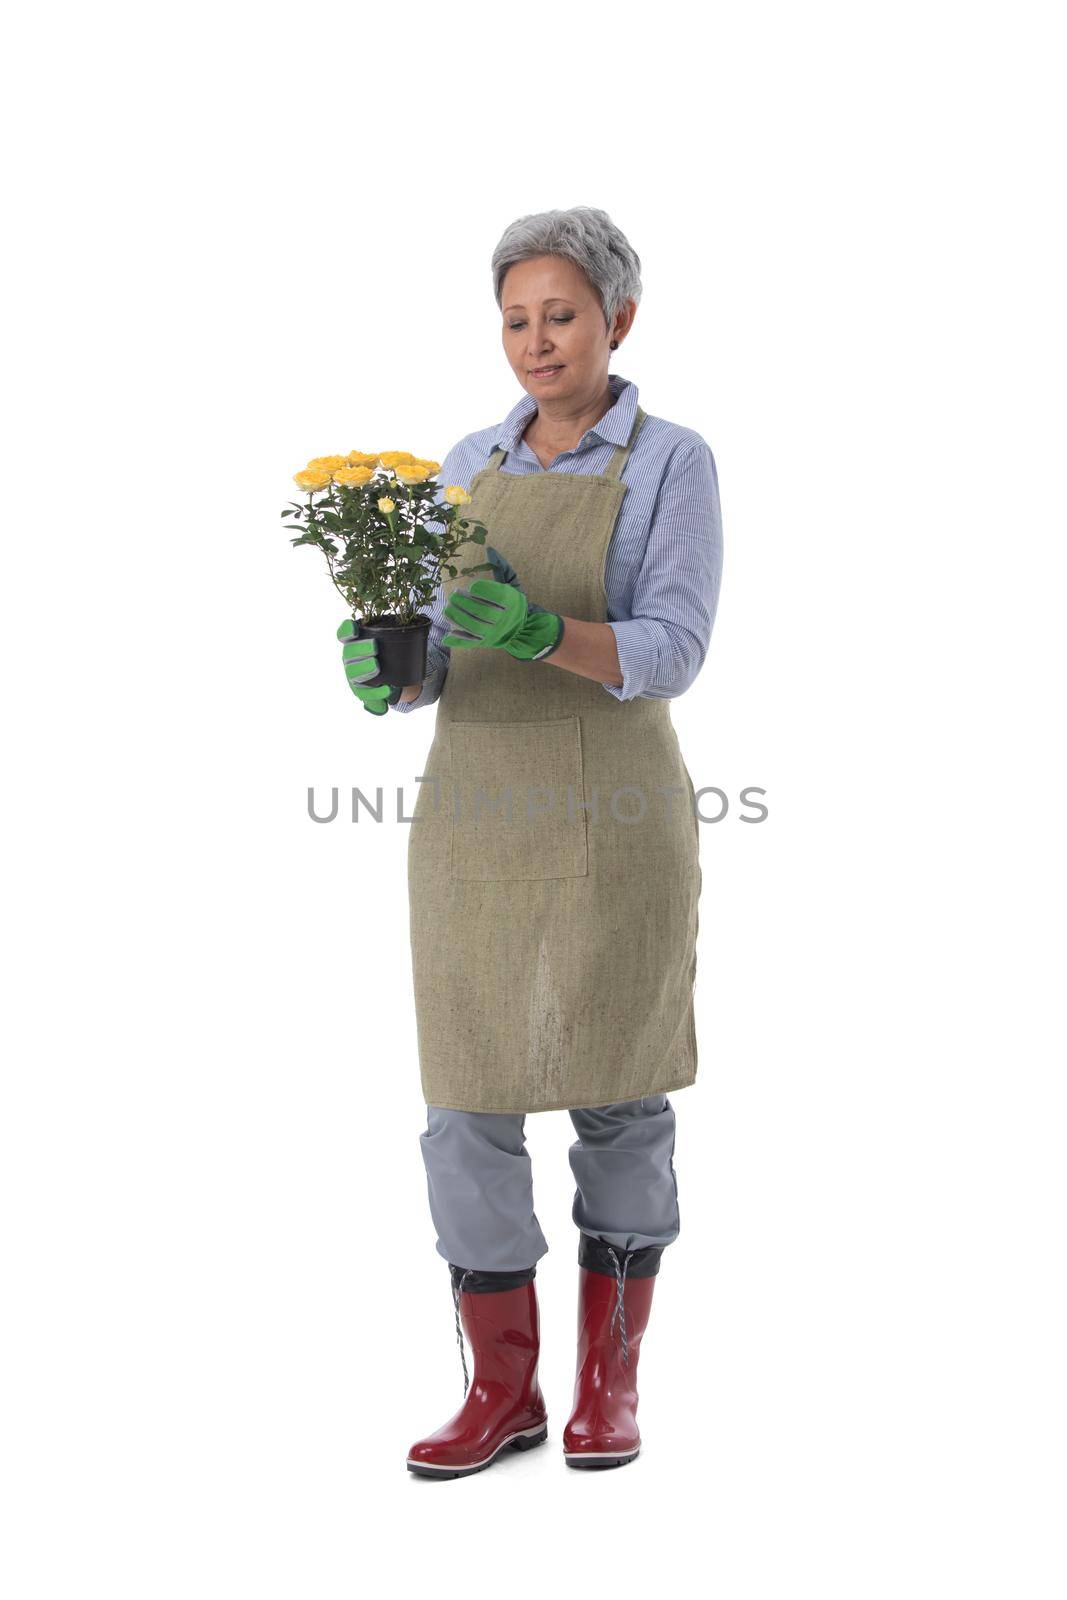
x=584 y=235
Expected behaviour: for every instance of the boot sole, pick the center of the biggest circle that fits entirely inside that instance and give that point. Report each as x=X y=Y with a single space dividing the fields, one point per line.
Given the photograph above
x=592 y=1461
x=526 y=1440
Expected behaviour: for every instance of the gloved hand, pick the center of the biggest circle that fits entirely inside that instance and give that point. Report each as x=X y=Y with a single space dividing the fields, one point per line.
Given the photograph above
x=494 y=613
x=360 y=657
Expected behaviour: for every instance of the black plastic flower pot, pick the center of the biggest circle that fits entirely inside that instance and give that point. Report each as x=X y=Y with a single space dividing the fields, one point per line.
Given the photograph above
x=401 y=648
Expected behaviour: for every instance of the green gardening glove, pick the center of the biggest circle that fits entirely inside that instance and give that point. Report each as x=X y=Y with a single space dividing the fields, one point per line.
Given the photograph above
x=360 y=657
x=496 y=615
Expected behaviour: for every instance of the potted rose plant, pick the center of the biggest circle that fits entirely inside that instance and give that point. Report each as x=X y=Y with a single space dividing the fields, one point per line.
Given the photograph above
x=386 y=540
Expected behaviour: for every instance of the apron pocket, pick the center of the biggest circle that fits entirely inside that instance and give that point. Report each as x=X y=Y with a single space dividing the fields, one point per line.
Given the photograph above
x=518 y=798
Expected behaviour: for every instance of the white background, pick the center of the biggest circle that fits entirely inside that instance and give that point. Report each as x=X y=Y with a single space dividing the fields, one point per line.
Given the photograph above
x=240 y=236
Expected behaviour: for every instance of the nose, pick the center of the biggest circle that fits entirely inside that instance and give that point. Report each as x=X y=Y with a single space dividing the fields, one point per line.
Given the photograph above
x=540 y=346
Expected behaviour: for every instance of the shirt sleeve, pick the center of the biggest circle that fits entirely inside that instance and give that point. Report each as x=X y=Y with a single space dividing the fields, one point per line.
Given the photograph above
x=662 y=644
x=436 y=657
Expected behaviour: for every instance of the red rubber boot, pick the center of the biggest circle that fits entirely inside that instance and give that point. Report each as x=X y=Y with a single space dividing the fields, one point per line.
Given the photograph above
x=614 y=1301
x=503 y=1406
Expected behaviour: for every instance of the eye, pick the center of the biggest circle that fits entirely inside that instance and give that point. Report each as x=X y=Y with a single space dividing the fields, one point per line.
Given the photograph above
x=551 y=319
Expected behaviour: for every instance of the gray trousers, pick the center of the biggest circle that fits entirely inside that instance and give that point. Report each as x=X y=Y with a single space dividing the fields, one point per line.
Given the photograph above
x=480 y=1181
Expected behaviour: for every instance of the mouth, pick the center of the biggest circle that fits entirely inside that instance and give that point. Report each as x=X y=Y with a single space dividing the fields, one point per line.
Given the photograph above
x=546 y=372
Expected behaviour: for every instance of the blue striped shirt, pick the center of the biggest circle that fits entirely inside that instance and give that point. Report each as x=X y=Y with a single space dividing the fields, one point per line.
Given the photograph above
x=664 y=560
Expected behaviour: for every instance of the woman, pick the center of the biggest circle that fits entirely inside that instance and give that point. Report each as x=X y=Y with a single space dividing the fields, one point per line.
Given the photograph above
x=553 y=862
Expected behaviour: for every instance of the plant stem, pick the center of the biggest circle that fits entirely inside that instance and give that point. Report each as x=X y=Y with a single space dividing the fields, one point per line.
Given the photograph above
x=333 y=580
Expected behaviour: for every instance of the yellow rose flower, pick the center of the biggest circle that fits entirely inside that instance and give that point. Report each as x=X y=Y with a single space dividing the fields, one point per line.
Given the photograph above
x=429 y=467
x=360 y=458
x=327 y=463
x=386 y=505
x=457 y=496
x=353 y=477
x=410 y=472
x=394 y=458
x=311 y=479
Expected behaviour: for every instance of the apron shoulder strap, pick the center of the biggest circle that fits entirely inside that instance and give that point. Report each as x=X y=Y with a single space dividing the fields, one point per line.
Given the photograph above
x=622 y=451
x=497 y=456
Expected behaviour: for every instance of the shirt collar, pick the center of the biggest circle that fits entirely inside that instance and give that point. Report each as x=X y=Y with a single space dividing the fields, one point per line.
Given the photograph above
x=614 y=427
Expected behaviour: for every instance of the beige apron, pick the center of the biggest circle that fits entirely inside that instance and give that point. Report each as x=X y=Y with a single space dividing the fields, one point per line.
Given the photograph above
x=553 y=952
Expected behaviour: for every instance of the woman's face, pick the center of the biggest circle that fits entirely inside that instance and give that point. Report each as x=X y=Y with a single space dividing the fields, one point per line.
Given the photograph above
x=553 y=318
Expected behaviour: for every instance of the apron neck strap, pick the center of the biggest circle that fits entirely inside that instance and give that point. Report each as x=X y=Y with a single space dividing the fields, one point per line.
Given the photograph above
x=614 y=466
x=618 y=460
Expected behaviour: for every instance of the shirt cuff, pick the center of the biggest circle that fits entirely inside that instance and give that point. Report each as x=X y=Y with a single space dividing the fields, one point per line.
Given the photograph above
x=638 y=659
x=432 y=685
